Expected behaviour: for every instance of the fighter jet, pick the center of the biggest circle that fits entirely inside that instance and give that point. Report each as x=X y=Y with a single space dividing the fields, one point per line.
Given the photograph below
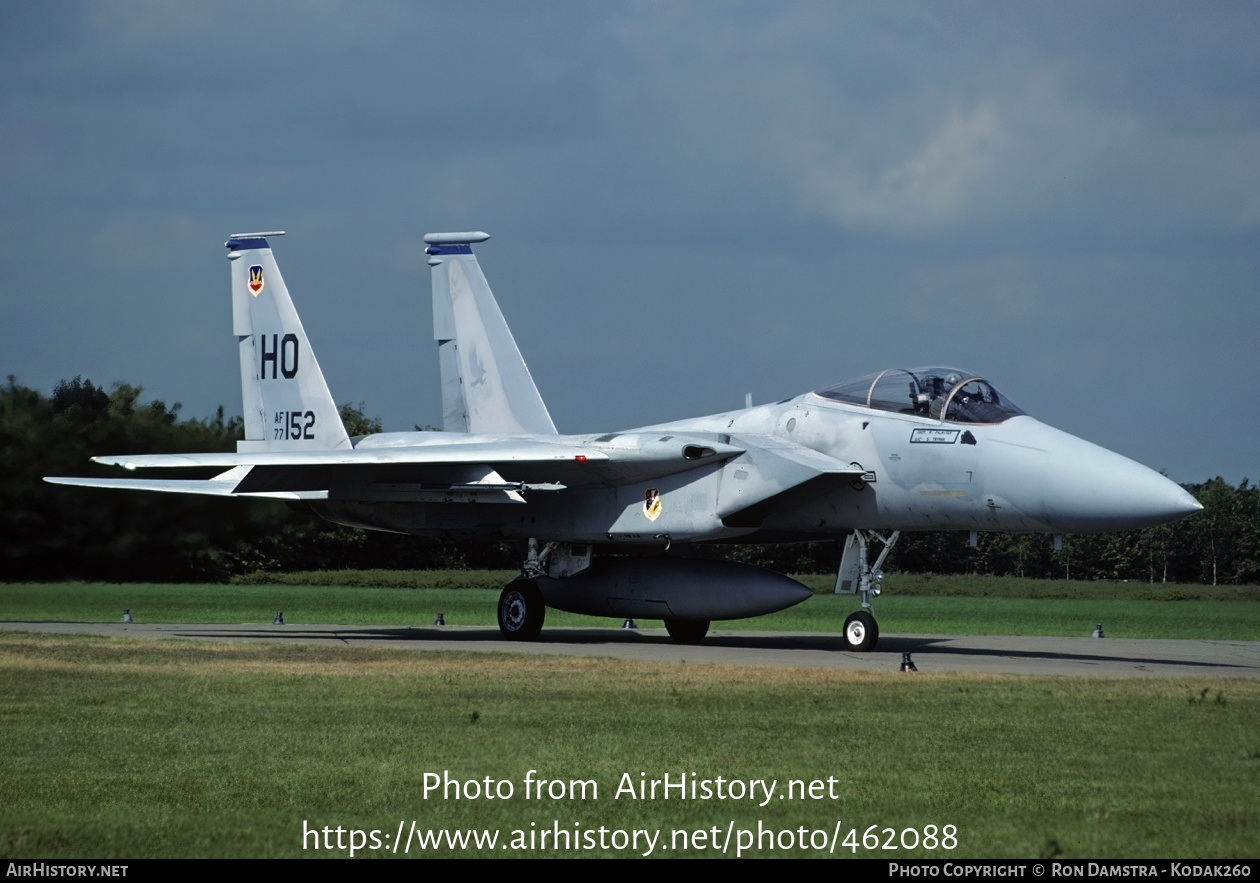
x=608 y=519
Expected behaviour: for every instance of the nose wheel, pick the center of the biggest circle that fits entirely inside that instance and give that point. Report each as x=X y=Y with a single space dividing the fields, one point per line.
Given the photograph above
x=861 y=632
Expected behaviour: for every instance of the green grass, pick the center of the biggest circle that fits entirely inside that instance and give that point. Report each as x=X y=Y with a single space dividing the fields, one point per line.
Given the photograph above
x=382 y=579
x=916 y=584
x=898 y=613
x=135 y=748
x=927 y=584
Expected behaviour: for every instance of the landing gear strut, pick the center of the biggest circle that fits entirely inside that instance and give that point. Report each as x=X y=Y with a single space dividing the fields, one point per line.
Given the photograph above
x=521 y=606
x=857 y=575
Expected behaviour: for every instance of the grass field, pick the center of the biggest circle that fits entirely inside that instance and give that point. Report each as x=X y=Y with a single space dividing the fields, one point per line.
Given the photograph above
x=132 y=748
x=917 y=584
x=1014 y=607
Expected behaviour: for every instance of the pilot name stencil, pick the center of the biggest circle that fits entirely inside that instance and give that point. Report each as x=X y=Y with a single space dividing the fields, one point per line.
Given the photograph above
x=933 y=436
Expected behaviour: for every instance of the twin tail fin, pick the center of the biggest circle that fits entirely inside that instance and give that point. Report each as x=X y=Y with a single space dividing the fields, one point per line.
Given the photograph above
x=287 y=405
x=486 y=386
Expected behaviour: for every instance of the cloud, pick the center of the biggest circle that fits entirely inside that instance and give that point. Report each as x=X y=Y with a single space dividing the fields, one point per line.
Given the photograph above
x=964 y=130
x=940 y=185
x=1035 y=156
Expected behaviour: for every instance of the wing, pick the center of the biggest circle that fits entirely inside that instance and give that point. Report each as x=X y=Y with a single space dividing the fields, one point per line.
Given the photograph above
x=769 y=473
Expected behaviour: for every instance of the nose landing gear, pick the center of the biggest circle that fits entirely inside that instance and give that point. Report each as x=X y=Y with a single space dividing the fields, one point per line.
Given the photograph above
x=856 y=575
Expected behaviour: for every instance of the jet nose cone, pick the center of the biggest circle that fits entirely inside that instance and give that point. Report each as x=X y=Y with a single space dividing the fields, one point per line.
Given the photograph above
x=1098 y=490
x=1159 y=501
x=1185 y=504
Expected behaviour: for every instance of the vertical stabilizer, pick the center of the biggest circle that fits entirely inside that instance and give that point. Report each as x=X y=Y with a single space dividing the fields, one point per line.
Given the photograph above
x=486 y=386
x=286 y=401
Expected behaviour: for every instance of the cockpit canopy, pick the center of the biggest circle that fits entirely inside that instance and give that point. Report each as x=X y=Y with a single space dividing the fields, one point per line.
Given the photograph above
x=940 y=393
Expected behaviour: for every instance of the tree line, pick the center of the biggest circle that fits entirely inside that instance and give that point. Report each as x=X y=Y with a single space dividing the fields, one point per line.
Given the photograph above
x=49 y=532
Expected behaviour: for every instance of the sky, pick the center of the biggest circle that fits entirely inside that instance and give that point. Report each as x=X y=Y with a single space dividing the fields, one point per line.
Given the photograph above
x=688 y=202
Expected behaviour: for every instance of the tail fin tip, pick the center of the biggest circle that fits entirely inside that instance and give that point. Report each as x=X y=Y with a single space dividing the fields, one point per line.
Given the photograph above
x=246 y=241
x=455 y=238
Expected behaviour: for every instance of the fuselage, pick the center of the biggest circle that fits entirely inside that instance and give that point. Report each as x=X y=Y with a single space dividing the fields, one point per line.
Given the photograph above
x=1015 y=476
x=925 y=473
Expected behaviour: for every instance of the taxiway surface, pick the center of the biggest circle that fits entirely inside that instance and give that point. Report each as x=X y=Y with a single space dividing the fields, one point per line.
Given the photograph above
x=1075 y=657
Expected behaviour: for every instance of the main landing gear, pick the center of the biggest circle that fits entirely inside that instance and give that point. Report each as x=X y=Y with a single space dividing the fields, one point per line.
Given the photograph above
x=857 y=575
x=521 y=606
x=521 y=610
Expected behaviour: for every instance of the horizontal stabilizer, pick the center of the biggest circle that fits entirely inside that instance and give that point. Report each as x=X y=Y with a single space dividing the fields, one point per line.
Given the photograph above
x=225 y=484
x=170 y=485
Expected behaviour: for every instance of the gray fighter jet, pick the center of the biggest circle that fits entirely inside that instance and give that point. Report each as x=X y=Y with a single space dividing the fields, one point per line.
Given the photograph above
x=608 y=519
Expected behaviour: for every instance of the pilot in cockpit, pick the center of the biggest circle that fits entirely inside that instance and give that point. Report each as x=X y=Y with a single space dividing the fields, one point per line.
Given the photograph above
x=918 y=399
x=938 y=391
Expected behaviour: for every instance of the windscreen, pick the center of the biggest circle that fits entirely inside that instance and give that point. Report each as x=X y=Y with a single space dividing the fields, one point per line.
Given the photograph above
x=940 y=393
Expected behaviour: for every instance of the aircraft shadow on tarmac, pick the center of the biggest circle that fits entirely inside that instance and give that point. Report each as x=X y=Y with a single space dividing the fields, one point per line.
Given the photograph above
x=888 y=646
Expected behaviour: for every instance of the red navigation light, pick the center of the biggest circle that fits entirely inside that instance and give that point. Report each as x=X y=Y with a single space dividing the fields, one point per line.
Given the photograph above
x=580 y=458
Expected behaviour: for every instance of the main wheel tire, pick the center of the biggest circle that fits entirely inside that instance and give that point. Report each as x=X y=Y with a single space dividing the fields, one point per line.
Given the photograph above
x=861 y=632
x=687 y=631
x=521 y=610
